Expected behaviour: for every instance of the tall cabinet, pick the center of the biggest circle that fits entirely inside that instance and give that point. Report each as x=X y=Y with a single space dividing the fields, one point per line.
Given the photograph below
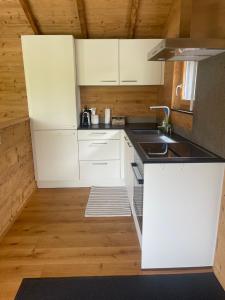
x=53 y=102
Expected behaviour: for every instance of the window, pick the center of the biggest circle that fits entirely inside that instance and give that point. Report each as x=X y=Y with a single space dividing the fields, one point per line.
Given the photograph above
x=184 y=85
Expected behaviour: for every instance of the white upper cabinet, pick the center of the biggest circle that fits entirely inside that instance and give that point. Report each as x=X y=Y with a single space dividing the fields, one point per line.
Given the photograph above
x=134 y=67
x=97 y=62
x=49 y=64
x=117 y=62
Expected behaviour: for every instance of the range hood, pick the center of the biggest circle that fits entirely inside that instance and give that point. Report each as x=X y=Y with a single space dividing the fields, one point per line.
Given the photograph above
x=186 y=49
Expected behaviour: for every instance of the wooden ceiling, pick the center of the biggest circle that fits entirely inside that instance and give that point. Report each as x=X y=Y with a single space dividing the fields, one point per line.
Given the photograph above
x=82 y=18
x=86 y=18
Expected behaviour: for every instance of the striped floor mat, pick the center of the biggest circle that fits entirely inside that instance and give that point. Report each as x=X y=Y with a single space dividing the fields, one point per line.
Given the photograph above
x=108 y=202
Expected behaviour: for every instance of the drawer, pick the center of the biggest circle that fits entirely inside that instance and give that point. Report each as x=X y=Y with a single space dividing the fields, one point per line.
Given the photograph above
x=99 y=170
x=99 y=150
x=99 y=135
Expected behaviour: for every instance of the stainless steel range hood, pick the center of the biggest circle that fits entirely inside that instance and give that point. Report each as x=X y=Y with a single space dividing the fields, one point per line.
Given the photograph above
x=186 y=49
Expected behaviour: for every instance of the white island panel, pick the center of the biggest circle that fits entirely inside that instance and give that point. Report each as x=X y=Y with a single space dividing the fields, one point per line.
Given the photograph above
x=180 y=214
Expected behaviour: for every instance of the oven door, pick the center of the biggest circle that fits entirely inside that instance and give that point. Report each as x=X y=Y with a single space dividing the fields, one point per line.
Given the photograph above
x=138 y=194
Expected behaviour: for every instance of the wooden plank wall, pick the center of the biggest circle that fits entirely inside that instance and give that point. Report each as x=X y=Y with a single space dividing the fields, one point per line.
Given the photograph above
x=208 y=19
x=16 y=172
x=13 y=103
x=219 y=265
x=16 y=162
x=129 y=101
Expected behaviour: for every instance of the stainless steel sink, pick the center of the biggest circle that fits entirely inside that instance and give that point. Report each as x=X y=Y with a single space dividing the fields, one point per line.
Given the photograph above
x=152 y=136
x=166 y=139
x=176 y=149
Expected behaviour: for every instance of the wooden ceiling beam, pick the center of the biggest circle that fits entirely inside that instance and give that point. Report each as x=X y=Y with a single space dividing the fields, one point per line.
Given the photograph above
x=133 y=18
x=82 y=18
x=30 y=17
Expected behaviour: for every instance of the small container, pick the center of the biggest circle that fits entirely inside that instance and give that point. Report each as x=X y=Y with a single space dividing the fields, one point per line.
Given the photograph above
x=118 y=120
x=95 y=119
x=107 y=115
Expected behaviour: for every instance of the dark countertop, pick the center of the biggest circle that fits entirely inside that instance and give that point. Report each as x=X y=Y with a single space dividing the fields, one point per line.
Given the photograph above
x=182 y=151
x=127 y=126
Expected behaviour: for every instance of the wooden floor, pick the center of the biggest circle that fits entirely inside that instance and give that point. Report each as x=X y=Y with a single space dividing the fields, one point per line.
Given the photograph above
x=52 y=238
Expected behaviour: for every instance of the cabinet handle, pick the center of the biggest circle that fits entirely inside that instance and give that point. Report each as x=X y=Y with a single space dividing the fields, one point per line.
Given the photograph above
x=128 y=142
x=98 y=133
x=108 y=80
x=99 y=143
x=137 y=173
x=129 y=81
x=100 y=164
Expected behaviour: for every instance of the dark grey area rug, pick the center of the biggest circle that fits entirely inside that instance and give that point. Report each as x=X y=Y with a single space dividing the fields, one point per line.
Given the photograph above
x=161 y=287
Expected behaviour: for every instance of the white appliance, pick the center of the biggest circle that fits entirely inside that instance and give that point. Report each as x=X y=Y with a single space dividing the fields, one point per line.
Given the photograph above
x=53 y=102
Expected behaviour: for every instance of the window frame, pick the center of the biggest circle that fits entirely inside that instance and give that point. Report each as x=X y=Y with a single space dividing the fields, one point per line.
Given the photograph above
x=179 y=77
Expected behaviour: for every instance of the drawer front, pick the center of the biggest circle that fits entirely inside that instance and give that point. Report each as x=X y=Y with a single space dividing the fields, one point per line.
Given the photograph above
x=98 y=135
x=99 y=170
x=99 y=150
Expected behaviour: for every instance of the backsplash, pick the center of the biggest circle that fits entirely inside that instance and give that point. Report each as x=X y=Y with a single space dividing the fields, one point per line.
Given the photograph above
x=209 y=111
x=130 y=101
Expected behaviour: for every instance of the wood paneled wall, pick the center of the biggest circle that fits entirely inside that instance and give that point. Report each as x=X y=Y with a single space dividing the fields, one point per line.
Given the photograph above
x=129 y=101
x=208 y=19
x=13 y=103
x=16 y=172
x=182 y=123
x=219 y=265
x=171 y=28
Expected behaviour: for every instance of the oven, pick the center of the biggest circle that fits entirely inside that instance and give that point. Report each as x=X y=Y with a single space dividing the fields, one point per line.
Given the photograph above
x=138 y=170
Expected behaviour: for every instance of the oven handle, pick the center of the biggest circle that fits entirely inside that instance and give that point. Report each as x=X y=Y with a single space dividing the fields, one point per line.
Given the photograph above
x=137 y=173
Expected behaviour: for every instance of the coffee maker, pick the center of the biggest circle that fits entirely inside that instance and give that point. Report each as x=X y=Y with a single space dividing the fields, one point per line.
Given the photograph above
x=85 y=117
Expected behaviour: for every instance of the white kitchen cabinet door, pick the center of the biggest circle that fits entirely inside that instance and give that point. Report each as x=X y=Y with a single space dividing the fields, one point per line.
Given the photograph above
x=99 y=172
x=56 y=155
x=49 y=65
x=180 y=214
x=134 y=67
x=99 y=150
x=97 y=62
x=99 y=134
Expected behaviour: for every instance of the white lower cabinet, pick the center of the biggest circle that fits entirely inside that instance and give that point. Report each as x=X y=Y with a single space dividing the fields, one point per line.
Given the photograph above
x=99 y=149
x=87 y=135
x=100 y=157
x=180 y=214
x=56 y=158
x=98 y=172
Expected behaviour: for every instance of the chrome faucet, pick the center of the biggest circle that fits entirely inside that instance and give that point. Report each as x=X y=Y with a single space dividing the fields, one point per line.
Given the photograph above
x=165 y=126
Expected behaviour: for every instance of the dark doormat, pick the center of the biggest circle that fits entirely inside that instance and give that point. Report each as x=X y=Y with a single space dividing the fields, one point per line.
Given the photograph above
x=161 y=287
